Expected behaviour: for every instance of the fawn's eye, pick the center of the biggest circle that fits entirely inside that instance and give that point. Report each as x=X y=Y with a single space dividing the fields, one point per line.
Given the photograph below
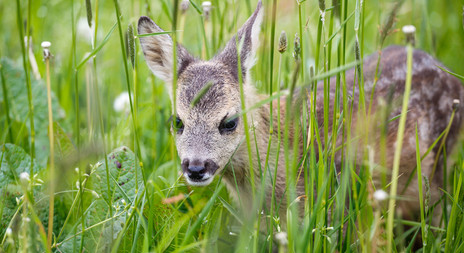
x=178 y=125
x=228 y=125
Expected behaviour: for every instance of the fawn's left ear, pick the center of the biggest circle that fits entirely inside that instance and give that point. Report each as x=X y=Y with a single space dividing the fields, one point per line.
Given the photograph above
x=247 y=42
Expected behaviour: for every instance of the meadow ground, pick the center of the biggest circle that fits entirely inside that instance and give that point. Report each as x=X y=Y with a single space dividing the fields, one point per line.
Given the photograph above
x=112 y=173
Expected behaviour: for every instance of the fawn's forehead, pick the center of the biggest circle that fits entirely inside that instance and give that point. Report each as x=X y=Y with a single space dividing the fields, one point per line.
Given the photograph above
x=209 y=84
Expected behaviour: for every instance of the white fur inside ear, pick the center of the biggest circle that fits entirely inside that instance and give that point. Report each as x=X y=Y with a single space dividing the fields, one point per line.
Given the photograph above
x=255 y=29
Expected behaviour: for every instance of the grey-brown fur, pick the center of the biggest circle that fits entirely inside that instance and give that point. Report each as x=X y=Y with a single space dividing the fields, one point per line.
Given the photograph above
x=203 y=147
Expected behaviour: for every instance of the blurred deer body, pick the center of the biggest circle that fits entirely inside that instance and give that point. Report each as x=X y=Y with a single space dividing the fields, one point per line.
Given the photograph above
x=210 y=141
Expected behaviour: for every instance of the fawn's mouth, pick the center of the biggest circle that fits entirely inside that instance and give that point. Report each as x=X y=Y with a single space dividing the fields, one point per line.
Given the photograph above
x=204 y=181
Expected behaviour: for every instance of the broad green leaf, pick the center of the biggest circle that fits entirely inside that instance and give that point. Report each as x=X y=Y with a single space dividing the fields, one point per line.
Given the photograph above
x=102 y=226
x=14 y=161
x=19 y=109
x=63 y=145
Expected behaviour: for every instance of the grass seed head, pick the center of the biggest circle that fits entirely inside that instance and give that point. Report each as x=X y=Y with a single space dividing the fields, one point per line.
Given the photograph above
x=282 y=42
x=322 y=5
x=390 y=22
x=88 y=8
x=297 y=49
x=130 y=44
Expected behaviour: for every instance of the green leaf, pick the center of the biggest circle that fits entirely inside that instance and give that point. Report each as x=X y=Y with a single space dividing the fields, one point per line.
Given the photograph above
x=19 y=109
x=14 y=161
x=63 y=145
x=125 y=184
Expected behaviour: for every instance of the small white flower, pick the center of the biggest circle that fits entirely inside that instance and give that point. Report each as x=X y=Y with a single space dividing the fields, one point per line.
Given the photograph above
x=117 y=207
x=281 y=238
x=122 y=103
x=95 y=194
x=380 y=195
x=322 y=16
x=24 y=178
x=9 y=232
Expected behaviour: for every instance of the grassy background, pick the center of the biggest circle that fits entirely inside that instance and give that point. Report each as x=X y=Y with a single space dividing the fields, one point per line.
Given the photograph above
x=88 y=128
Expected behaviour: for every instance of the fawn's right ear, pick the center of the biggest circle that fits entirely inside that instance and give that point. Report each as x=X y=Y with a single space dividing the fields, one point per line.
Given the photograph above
x=158 y=50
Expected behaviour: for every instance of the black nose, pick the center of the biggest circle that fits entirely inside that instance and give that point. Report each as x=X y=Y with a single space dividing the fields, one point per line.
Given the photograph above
x=195 y=170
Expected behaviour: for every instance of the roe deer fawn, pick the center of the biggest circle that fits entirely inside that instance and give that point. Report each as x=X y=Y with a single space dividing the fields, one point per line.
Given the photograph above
x=210 y=142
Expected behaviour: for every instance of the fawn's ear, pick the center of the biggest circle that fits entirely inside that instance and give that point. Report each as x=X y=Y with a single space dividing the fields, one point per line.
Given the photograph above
x=158 y=50
x=246 y=41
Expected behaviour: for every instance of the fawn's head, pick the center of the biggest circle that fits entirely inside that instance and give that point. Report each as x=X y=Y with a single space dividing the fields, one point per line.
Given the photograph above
x=207 y=96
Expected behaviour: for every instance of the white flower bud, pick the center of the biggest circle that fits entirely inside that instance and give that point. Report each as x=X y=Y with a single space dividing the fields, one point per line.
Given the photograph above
x=122 y=103
x=24 y=179
x=281 y=238
x=380 y=195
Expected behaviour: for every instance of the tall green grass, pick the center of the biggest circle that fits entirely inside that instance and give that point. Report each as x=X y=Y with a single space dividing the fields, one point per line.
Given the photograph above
x=107 y=198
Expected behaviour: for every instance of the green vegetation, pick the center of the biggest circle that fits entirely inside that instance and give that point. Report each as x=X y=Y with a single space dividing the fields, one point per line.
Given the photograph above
x=115 y=177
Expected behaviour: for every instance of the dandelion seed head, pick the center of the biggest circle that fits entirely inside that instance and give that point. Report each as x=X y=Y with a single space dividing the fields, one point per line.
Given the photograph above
x=380 y=195
x=206 y=9
x=184 y=5
x=122 y=103
x=408 y=29
x=46 y=44
x=281 y=238
x=456 y=103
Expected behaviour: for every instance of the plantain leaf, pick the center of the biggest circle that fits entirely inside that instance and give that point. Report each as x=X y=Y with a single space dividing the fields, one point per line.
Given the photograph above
x=107 y=212
x=19 y=110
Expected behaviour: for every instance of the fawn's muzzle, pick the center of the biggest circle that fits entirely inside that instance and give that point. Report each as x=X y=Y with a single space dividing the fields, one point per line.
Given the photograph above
x=199 y=172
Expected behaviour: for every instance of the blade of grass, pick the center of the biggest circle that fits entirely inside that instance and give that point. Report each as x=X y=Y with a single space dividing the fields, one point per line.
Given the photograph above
x=421 y=196
x=6 y=103
x=450 y=233
x=19 y=20
x=98 y=48
x=399 y=145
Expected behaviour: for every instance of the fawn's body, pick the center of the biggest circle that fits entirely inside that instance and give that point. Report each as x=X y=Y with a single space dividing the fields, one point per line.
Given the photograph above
x=210 y=141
